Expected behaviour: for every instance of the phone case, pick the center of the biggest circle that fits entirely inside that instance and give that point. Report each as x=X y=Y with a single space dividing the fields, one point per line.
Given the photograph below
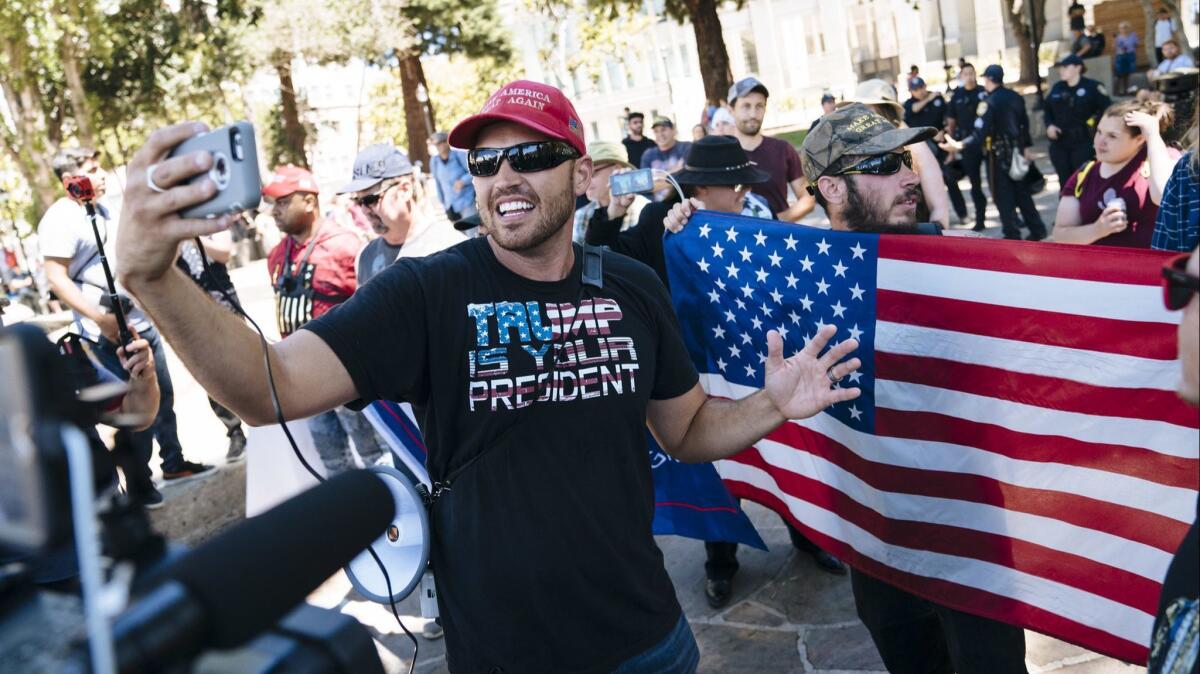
x=235 y=170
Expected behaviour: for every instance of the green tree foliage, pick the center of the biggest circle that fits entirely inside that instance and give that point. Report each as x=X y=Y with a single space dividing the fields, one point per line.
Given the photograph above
x=701 y=15
x=106 y=72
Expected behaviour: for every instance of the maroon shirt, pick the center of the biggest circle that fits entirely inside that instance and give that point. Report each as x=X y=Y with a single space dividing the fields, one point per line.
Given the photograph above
x=780 y=159
x=1131 y=183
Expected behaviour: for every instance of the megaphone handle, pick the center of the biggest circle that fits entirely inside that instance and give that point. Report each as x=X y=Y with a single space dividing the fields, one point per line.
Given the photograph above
x=122 y=328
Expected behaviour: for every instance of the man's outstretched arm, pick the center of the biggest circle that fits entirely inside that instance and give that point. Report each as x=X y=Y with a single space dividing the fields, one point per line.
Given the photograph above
x=695 y=429
x=218 y=348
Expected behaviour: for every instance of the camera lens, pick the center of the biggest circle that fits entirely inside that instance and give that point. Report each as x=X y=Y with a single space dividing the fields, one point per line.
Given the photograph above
x=220 y=171
x=235 y=140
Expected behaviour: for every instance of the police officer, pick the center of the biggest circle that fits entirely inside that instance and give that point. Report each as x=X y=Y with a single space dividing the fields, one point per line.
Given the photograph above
x=1073 y=109
x=928 y=108
x=960 y=120
x=1001 y=127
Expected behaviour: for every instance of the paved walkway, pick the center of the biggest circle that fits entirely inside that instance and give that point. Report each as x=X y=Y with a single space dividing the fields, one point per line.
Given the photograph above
x=786 y=615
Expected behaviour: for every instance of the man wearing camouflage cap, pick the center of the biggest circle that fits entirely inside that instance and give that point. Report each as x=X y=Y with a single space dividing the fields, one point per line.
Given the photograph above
x=861 y=175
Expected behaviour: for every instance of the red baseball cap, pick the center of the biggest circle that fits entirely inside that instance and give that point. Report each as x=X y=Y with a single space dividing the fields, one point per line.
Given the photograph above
x=534 y=105
x=289 y=179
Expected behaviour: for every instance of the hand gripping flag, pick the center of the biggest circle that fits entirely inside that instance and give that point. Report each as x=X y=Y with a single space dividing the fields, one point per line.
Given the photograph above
x=1017 y=452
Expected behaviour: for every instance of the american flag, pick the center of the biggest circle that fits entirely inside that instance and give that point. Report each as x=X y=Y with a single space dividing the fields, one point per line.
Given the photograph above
x=1018 y=450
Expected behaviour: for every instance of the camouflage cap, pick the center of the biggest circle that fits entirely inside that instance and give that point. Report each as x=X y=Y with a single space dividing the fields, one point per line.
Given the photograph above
x=853 y=131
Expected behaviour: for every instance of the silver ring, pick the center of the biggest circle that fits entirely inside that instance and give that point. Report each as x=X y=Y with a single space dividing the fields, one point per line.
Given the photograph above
x=832 y=379
x=150 y=179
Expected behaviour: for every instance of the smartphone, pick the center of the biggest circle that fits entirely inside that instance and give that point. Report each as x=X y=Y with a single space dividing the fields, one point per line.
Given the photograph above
x=234 y=170
x=631 y=182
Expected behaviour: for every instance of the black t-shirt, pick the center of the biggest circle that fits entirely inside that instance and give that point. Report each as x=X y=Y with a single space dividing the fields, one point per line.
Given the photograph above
x=636 y=148
x=542 y=547
x=1173 y=644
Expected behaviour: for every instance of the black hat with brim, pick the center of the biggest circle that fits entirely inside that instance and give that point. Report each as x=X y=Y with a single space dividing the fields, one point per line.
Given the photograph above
x=719 y=160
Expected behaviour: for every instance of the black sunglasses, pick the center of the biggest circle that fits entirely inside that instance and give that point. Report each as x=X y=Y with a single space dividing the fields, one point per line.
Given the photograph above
x=523 y=158
x=880 y=165
x=1178 y=285
x=371 y=199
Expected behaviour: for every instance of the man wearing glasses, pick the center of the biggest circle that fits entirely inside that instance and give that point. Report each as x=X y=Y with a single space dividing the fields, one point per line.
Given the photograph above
x=384 y=188
x=537 y=375
x=312 y=271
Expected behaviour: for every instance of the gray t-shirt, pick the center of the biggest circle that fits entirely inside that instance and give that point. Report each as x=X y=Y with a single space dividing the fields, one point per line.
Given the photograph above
x=376 y=256
x=64 y=232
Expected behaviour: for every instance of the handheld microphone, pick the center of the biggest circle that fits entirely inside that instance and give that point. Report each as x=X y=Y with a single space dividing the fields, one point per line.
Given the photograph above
x=222 y=594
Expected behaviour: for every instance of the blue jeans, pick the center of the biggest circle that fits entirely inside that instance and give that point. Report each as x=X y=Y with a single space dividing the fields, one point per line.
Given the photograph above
x=676 y=654
x=331 y=432
x=164 y=429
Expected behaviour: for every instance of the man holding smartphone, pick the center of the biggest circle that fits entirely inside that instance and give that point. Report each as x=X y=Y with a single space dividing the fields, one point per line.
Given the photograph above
x=75 y=274
x=542 y=518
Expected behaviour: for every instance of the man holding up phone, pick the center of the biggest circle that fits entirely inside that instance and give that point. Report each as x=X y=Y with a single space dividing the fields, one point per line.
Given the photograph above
x=608 y=159
x=542 y=543
x=73 y=269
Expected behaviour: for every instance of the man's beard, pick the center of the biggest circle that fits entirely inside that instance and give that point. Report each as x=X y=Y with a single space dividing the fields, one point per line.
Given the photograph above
x=749 y=127
x=863 y=215
x=553 y=214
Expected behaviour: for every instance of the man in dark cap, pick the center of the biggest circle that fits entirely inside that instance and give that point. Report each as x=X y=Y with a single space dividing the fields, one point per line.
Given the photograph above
x=748 y=100
x=538 y=376
x=928 y=108
x=828 y=105
x=1001 y=128
x=1073 y=108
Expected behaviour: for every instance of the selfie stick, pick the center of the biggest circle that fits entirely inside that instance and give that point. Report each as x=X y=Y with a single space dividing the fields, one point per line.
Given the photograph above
x=118 y=310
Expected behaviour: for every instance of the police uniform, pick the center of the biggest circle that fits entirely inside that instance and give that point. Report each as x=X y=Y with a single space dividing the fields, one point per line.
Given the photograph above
x=1075 y=110
x=933 y=114
x=963 y=105
x=1002 y=129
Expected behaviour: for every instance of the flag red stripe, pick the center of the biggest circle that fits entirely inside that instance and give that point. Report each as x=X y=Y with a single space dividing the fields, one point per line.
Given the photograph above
x=1105 y=264
x=1172 y=471
x=1137 y=525
x=1052 y=328
x=960 y=597
x=1080 y=572
x=1037 y=390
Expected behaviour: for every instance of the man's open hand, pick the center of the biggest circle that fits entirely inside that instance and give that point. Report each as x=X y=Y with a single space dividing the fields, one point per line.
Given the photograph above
x=803 y=385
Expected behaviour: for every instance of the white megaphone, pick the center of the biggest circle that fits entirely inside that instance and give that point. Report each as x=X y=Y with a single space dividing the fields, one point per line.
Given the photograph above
x=403 y=548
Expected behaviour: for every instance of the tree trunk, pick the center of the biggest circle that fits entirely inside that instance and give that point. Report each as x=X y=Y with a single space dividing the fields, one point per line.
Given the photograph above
x=79 y=107
x=1026 y=41
x=27 y=141
x=70 y=51
x=417 y=124
x=710 y=48
x=294 y=135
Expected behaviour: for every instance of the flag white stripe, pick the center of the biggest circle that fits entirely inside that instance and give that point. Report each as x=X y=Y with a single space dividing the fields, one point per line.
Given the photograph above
x=1124 y=490
x=1069 y=602
x=1158 y=436
x=1094 y=368
x=1098 y=546
x=1120 y=301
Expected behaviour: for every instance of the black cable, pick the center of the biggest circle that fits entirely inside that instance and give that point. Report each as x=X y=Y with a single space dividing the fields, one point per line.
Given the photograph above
x=266 y=349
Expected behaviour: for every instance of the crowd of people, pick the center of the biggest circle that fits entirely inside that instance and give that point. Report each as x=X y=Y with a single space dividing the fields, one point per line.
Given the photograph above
x=544 y=552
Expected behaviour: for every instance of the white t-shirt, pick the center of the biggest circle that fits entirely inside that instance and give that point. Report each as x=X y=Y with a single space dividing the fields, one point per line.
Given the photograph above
x=65 y=232
x=1163 y=30
x=1181 y=61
